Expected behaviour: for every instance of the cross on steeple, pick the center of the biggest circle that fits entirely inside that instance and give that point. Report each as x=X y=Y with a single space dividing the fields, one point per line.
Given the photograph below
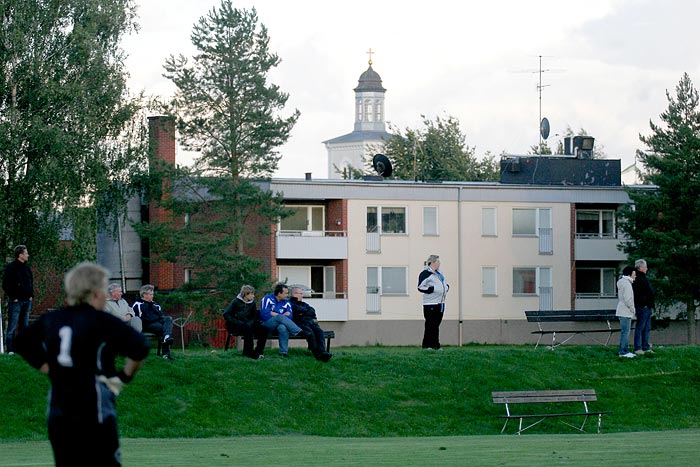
x=370 y=56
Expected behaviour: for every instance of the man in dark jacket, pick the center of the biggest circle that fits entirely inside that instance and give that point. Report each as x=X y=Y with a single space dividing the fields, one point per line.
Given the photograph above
x=643 y=306
x=242 y=319
x=304 y=316
x=153 y=318
x=18 y=284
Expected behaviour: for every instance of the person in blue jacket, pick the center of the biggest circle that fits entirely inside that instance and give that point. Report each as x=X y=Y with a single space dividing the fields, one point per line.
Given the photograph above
x=276 y=313
x=431 y=283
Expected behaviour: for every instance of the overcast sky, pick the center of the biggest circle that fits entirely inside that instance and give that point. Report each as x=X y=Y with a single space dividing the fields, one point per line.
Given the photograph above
x=609 y=65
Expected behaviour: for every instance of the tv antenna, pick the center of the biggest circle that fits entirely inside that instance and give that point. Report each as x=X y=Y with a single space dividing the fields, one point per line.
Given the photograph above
x=542 y=126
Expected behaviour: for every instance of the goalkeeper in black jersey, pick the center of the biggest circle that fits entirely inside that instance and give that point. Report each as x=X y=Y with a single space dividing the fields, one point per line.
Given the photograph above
x=76 y=347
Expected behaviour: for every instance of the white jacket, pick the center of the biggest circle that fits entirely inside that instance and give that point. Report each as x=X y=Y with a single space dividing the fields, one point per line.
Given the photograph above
x=625 y=295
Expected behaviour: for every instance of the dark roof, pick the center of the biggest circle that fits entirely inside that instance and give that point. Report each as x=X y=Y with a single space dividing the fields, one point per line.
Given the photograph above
x=361 y=136
x=370 y=81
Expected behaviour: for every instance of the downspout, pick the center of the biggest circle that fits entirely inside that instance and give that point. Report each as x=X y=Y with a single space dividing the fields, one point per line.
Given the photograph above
x=121 y=252
x=459 y=261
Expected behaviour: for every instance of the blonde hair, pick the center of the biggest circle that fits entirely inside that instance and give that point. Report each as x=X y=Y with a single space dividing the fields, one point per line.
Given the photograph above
x=83 y=280
x=246 y=289
x=431 y=259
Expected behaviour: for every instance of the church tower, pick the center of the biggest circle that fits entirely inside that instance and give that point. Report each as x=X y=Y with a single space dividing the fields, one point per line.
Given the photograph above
x=369 y=133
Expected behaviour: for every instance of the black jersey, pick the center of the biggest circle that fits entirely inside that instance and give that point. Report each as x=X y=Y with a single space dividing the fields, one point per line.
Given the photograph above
x=79 y=343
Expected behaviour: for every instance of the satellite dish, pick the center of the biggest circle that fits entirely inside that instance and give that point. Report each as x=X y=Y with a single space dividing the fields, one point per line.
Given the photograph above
x=544 y=128
x=382 y=165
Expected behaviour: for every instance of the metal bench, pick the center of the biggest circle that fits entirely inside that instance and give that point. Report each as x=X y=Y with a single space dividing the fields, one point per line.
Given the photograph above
x=573 y=316
x=548 y=397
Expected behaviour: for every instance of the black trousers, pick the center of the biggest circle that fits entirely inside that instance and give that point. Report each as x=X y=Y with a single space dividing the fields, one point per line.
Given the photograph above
x=433 y=317
x=161 y=328
x=249 y=332
x=314 y=337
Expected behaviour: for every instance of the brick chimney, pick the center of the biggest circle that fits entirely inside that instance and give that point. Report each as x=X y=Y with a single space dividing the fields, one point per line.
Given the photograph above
x=161 y=130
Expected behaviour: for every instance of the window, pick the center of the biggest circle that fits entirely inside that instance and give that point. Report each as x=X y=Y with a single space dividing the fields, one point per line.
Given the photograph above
x=188 y=275
x=303 y=219
x=393 y=220
x=595 y=223
x=321 y=279
x=595 y=282
x=430 y=220
x=531 y=221
x=388 y=280
x=488 y=281
x=368 y=110
x=532 y=280
x=488 y=222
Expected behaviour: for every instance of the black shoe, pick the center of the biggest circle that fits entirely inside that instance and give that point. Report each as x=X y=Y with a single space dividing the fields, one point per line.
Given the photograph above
x=167 y=356
x=325 y=356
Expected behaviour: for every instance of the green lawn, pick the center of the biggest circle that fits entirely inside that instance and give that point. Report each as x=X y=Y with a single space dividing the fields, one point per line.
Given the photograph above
x=668 y=448
x=398 y=405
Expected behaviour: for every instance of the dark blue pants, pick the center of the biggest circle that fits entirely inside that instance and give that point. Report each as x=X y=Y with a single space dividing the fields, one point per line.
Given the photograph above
x=17 y=320
x=642 y=329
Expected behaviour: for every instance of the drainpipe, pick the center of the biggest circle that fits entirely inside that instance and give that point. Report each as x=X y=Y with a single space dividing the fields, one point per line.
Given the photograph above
x=459 y=261
x=121 y=252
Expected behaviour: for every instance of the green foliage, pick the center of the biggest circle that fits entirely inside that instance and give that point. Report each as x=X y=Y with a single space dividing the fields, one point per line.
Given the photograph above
x=664 y=224
x=438 y=152
x=374 y=391
x=226 y=107
x=66 y=122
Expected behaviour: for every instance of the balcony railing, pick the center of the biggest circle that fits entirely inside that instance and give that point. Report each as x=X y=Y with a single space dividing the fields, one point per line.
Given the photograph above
x=311 y=244
x=546 y=241
x=546 y=299
x=374 y=302
x=373 y=243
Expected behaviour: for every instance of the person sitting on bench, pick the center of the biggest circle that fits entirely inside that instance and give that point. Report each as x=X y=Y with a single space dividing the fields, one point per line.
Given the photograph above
x=242 y=319
x=304 y=315
x=276 y=313
x=153 y=319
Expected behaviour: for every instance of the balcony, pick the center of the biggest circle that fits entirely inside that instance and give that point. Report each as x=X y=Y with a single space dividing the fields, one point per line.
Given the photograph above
x=330 y=309
x=589 y=247
x=311 y=244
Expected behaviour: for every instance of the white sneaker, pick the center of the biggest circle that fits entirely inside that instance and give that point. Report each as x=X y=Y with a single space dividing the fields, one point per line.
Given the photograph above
x=639 y=352
x=628 y=355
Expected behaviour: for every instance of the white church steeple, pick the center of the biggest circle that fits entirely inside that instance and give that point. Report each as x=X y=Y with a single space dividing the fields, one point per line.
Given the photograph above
x=369 y=134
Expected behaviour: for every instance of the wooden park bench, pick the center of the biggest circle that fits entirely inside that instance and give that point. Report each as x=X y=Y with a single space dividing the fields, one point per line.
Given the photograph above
x=548 y=397
x=605 y=318
x=328 y=335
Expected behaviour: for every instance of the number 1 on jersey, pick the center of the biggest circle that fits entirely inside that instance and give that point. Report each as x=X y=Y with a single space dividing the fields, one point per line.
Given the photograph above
x=66 y=335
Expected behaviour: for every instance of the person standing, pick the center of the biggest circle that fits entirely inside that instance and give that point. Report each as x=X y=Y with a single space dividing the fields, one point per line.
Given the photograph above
x=625 y=309
x=18 y=284
x=153 y=319
x=118 y=307
x=304 y=315
x=431 y=283
x=242 y=319
x=76 y=347
x=276 y=313
x=643 y=305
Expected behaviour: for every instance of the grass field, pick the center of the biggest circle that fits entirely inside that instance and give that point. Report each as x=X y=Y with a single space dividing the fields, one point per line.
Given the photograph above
x=668 y=448
x=379 y=406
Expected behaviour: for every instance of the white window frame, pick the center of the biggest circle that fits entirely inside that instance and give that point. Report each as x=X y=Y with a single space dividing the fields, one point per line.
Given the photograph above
x=380 y=222
x=489 y=274
x=538 y=280
x=601 y=284
x=600 y=233
x=538 y=221
x=431 y=230
x=309 y=219
x=486 y=229
x=380 y=280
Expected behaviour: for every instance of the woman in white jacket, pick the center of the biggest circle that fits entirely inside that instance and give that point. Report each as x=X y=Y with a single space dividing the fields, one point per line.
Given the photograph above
x=625 y=309
x=431 y=283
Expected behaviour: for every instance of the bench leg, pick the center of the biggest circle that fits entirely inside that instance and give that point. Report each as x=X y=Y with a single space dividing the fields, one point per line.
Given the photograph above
x=328 y=344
